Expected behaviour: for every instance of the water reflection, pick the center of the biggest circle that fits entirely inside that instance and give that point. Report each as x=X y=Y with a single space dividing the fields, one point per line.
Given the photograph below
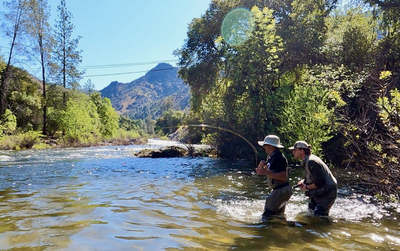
x=105 y=199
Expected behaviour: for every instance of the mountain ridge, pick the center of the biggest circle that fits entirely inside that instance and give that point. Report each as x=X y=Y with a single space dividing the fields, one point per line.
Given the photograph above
x=143 y=97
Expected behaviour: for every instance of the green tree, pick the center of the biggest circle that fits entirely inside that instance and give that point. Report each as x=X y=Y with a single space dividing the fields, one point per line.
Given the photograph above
x=11 y=27
x=389 y=114
x=80 y=120
x=8 y=123
x=65 y=55
x=149 y=125
x=170 y=121
x=352 y=39
x=129 y=124
x=89 y=87
x=306 y=116
x=232 y=86
x=39 y=31
x=109 y=118
x=24 y=99
x=301 y=25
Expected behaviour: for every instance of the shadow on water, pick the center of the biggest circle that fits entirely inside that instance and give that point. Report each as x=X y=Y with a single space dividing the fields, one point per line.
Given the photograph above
x=282 y=234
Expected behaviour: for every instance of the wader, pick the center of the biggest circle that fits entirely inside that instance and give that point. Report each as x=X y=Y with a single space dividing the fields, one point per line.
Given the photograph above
x=322 y=198
x=275 y=203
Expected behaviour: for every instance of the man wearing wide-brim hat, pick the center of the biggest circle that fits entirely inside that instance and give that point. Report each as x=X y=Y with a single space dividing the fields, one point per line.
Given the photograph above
x=275 y=168
x=319 y=183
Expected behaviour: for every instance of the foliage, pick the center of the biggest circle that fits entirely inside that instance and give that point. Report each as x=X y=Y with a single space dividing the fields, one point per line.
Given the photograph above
x=20 y=141
x=306 y=114
x=302 y=27
x=149 y=125
x=12 y=25
x=390 y=115
x=65 y=56
x=108 y=116
x=390 y=110
x=80 y=121
x=240 y=97
x=8 y=123
x=123 y=134
x=128 y=124
x=169 y=121
x=39 y=32
x=88 y=87
x=23 y=100
x=351 y=39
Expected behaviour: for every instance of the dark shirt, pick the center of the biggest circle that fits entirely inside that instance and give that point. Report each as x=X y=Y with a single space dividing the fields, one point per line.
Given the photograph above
x=277 y=162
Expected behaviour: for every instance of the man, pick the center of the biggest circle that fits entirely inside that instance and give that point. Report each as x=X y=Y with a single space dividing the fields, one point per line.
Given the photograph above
x=275 y=168
x=319 y=183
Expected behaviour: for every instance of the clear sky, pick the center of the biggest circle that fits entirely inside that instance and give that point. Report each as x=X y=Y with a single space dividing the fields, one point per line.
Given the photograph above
x=122 y=39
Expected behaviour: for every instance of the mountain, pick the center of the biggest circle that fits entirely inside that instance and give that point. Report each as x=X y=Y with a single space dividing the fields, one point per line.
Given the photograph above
x=148 y=94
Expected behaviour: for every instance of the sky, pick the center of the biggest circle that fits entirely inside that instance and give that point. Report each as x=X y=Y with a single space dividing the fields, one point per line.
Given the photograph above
x=123 y=39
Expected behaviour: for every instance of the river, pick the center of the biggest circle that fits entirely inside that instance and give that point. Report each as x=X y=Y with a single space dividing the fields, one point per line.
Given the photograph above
x=104 y=198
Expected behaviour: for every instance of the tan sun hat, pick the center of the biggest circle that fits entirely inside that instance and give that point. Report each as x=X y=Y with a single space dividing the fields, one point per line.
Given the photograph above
x=300 y=144
x=271 y=140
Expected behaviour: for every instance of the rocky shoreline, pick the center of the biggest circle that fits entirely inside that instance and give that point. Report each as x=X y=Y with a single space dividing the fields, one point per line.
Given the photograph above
x=176 y=151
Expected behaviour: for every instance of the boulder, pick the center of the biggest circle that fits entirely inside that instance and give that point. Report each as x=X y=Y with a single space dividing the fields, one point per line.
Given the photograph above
x=164 y=152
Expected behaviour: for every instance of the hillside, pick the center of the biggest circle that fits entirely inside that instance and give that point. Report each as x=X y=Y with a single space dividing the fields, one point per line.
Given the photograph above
x=144 y=96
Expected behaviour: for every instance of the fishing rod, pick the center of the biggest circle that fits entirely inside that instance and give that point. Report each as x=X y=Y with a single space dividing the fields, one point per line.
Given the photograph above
x=227 y=130
x=296 y=186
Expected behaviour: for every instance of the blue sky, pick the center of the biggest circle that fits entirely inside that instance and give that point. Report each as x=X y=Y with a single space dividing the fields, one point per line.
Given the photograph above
x=136 y=33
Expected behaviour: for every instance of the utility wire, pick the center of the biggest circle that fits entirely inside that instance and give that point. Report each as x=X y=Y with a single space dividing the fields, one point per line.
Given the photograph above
x=122 y=73
x=125 y=65
x=91 y=67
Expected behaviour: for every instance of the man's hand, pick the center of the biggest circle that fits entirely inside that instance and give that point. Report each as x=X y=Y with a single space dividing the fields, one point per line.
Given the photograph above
x=261 y=169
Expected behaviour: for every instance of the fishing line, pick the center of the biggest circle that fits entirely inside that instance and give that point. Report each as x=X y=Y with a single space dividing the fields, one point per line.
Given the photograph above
x=227 y=130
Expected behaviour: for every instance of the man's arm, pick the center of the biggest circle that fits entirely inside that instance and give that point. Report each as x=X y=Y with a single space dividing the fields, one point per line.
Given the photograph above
x=281 y=176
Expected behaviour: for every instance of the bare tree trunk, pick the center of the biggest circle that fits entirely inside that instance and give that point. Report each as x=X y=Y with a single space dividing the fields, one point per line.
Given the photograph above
x=7 y=73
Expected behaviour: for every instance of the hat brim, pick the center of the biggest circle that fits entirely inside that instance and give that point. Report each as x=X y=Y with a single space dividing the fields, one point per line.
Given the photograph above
x=262 y=143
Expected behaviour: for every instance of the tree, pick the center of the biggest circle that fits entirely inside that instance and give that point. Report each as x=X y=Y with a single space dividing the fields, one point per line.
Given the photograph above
x=351 y=39
x=109 y=118
x=306 y=114
x=8 y=123
x=80 y=120
x=39 y=30
x=149 y=125
x=14 y=19
x=23 y=100
x=301 y=25
x=89 y=87
x=232 y=85
x=170 y=121
x=65 y=56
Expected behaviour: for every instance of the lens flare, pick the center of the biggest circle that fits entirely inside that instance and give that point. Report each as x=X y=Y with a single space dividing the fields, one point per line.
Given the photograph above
x=237 y=26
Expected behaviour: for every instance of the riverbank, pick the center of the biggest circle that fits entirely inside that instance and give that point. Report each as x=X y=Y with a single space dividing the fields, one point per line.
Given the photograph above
x=167 y=148
x=34 y=140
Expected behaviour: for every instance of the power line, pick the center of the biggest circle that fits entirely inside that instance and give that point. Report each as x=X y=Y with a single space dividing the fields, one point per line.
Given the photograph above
x=91 y=67
x=126 y=64
x=123 y=73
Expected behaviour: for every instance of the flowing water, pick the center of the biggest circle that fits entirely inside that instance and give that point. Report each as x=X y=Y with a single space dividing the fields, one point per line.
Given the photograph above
x=104 y=198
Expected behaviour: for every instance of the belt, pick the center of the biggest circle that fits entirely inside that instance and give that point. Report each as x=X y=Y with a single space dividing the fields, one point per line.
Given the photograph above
x=281 y=185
